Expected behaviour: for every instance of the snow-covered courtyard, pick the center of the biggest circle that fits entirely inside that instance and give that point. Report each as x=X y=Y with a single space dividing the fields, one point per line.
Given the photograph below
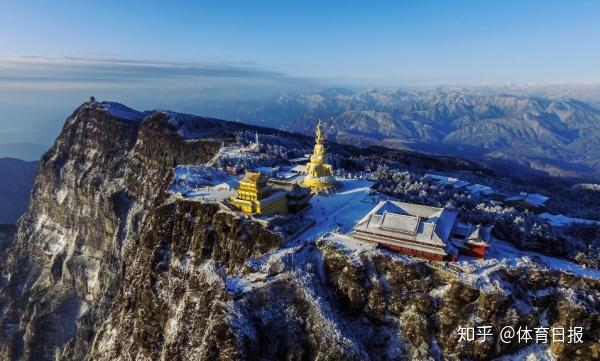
x=339 y=211
x=202 y=183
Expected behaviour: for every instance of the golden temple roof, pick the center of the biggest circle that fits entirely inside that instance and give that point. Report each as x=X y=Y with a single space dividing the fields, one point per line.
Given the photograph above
x=251 y=177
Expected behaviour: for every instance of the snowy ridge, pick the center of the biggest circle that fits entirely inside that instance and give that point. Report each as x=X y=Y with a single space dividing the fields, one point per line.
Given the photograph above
x=123 y=112
x=189 y=126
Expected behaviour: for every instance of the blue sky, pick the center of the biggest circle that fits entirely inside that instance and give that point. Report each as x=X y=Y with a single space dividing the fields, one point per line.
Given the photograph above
x=371 y=41
x=54 y=54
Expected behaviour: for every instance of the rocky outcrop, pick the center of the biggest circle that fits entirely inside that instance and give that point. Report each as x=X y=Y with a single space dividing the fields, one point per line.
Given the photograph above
x=174 y=302
x=90 y=198
x=428 y=310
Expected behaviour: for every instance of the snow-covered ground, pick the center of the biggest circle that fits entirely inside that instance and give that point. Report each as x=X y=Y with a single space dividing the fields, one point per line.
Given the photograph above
x=123 y=112
x=184 y=123
x=341 y=210
x=351 y=244
x=236 y=153
x=502 y=254
x=202 y=183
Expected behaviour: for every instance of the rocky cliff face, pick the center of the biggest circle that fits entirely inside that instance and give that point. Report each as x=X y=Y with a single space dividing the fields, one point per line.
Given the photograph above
x=90 y=198
x=106 y=266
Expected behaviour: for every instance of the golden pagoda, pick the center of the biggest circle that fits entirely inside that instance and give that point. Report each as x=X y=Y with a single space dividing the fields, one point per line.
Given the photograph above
x=254 y=196
x=319 y=175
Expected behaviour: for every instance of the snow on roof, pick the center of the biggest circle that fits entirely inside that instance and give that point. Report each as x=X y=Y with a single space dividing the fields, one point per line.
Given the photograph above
x=291 y=187
x=273 y=197
x=298 y=160
x=480 y=235
x=423 y=223
x=534 y=199
x=286 y=175
x=399 y=222
x=480 y=188
x=223 y=186
x=267 y=170
x=412 y=209
x=123 y=112
x=455 y=182
x=251 y=177
x=300 y=168
x=560 y=220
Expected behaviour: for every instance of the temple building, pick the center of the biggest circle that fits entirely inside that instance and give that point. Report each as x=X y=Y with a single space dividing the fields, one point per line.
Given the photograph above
x=255 y=196
x=472 y=240
x=422 y=231
x=298 y=198
x=319 y=175
x=410 y=229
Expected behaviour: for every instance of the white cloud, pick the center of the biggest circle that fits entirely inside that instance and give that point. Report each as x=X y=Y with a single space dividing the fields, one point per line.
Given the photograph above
x=27 y=71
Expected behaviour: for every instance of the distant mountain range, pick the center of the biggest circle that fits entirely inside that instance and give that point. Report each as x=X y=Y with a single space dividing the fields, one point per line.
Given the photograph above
x=16 y=182
x=23 y=150
x=28 y=142
x=555 y=137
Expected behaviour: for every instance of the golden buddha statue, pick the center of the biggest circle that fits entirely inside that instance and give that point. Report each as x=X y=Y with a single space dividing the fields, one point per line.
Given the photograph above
x=319 y=175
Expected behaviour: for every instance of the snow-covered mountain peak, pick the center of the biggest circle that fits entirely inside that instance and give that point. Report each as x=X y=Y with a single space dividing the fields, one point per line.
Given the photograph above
x=121 y=111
